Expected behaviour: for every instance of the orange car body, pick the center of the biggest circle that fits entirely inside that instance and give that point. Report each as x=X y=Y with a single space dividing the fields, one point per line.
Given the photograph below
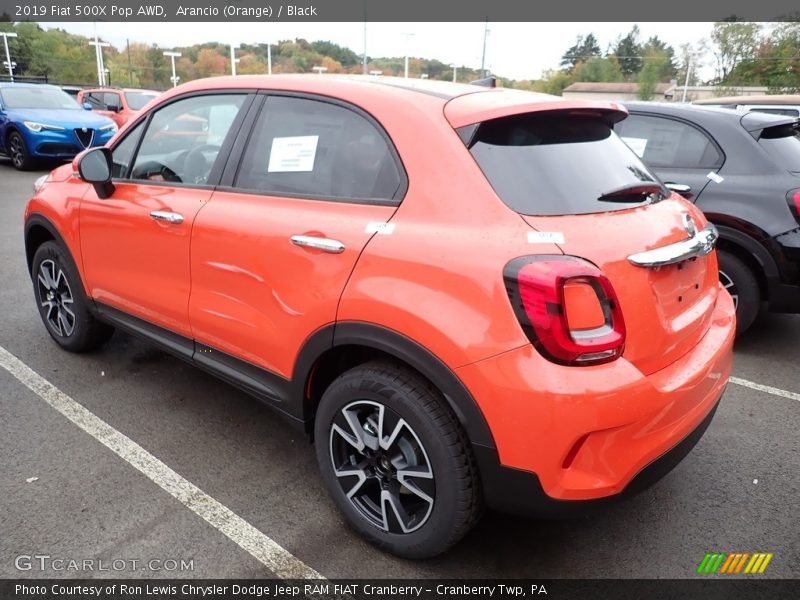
x=427 y=289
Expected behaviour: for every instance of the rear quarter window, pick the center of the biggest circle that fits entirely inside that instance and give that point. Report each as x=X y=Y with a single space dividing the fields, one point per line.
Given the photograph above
x=556 y=163
x=782 y=143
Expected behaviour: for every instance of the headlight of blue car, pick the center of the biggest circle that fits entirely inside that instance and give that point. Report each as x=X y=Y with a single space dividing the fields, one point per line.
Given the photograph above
x=37 y=127
x=111 y=127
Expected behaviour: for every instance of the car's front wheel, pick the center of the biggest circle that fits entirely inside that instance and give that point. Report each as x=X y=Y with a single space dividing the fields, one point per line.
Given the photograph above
x=740 y=282
x=18 y=152
x=396 y=461
x=62 y=304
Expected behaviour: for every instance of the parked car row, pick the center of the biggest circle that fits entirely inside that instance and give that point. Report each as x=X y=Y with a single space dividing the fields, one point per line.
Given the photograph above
x=43 y=122
x=465 y=296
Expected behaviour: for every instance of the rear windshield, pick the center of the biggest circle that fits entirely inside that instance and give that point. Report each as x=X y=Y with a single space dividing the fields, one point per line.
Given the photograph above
x=556 y=164
x=783 y=145
x=137 y=100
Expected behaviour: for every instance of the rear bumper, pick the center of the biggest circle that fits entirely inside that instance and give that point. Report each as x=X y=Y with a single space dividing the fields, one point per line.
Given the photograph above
x=518 y=492
x=570 y=434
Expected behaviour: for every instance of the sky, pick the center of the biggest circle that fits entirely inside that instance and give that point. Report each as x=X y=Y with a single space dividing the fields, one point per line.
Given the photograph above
x=513 y=50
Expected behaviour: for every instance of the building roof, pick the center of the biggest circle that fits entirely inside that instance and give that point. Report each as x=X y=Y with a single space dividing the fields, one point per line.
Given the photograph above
x=619 y=87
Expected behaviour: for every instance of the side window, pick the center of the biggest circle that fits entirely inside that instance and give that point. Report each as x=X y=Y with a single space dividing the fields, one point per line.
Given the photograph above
x=668 y=143
x=123 y=152
x=96 y=100
x=302 y=147
x=184 y=138
x=111 y=101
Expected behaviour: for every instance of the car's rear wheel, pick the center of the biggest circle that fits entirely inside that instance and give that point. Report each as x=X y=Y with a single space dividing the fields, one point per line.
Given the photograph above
x=396 y=461
x=18 y=152
x=741 y=283
x=62 y=304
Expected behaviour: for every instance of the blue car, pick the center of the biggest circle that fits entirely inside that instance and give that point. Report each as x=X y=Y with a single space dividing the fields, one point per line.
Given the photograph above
x=43 y=122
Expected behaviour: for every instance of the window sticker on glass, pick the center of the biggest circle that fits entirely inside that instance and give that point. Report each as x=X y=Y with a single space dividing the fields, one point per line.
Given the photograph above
x=638 y=145
x=293 y=154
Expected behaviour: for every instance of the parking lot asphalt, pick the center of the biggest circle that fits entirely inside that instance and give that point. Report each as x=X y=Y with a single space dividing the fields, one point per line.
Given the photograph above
x=737 y=491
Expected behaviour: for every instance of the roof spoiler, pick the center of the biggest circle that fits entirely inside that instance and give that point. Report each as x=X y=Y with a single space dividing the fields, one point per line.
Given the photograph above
x=489 y=82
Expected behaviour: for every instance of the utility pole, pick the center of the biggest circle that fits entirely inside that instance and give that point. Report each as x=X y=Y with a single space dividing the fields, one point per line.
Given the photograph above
x=408 y=36
x=98 y=50
x=130 y=65
x=174 y=79
x=483 y=54
x=455 y=69
x=10 y=65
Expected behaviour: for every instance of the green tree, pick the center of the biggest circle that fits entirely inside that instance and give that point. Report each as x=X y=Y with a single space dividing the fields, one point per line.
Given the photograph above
x=628 y=53
x=650 y=75
x=733 y=42
x=584 y=49
x=598 y=69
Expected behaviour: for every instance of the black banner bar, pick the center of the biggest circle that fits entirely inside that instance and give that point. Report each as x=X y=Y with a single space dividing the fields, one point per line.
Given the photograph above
x=394 y=10
x=710 y=588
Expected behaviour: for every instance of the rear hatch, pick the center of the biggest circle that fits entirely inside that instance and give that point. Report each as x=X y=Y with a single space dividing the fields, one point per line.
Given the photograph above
x=578 y=185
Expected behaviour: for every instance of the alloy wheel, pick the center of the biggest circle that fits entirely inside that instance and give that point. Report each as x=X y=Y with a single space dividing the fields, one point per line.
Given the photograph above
x=16 y=151
x=55 y=297
x=728 y=284
x=382 y=466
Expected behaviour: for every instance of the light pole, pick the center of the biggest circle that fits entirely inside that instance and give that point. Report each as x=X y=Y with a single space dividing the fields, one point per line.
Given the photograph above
x=455 y=69
x=98 y=50
x=8 y=62
x=408 y=36
x=483 y=54
x=686 y=83
x=174 y=79
x=269 y=59
x=234 y=60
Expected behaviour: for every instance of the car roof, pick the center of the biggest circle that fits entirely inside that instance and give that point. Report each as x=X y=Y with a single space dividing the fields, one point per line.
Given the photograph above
x=117 y=89
x=15 y=84
x=752 y=121
x=463 y=104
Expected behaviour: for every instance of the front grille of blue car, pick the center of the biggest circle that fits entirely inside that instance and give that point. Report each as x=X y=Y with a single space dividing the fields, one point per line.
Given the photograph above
x=85 y=136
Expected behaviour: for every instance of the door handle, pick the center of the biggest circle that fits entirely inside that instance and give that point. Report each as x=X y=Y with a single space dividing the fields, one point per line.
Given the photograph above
x=169 y=217
x=319 y=243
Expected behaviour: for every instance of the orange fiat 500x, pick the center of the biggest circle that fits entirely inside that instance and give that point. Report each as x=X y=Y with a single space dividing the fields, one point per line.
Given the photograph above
x=467 y=296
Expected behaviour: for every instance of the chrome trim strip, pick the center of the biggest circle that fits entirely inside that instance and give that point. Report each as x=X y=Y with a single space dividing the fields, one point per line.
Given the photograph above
x=699 y=244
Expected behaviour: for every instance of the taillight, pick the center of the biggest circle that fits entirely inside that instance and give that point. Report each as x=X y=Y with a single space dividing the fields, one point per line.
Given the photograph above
x=567 y=308
x=793 y=198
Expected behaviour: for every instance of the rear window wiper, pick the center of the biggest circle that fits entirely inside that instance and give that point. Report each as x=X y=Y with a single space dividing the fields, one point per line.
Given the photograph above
x=636 y=192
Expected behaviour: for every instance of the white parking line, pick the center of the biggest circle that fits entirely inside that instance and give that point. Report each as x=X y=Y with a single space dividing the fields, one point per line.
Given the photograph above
x=263 y=548
x=767 y=389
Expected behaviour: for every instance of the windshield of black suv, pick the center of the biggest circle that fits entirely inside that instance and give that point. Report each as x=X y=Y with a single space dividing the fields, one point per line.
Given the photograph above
x=137 y=100
x=37 y=97
x=561 y=163
x=783 y=145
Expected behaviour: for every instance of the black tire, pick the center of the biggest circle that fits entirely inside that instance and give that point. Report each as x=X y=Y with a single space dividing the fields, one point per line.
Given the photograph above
x=62 y=303
x=742 y=285
x=431 y=434
x=18 y=152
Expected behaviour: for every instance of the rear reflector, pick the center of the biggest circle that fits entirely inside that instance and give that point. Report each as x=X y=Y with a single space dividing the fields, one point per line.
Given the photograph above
x=567 y=308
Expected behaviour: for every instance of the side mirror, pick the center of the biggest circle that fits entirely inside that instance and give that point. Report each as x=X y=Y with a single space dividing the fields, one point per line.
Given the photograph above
x=87 y=106
x=94 y=166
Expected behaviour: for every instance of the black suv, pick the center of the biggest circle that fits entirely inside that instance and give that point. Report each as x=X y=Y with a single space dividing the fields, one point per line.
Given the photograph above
x=743 y=171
